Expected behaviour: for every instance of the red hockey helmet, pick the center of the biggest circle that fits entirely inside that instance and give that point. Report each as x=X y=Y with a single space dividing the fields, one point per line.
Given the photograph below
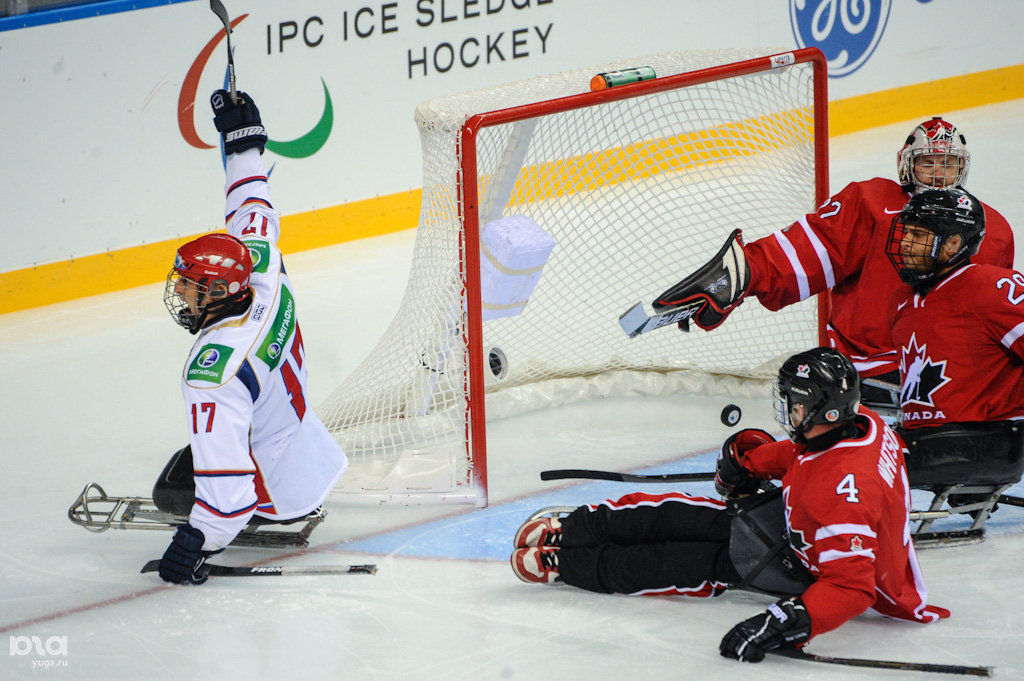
x=209 y=280
x=934 y=156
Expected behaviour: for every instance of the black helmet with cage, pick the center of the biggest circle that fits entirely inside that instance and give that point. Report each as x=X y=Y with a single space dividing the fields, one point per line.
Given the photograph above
x=824 y=382
x=922 y=229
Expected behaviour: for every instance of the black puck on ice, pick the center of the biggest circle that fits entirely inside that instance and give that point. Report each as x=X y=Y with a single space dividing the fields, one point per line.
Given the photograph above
x=731 y=415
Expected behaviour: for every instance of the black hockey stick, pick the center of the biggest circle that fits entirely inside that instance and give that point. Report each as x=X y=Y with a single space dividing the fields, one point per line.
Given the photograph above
x=885 y=664
x=569 y=473
x=1010 y=500
x=276 y=570
x=218 y=8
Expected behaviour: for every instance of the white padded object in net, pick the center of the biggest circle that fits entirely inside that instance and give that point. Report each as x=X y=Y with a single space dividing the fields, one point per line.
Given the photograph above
x=636 y=193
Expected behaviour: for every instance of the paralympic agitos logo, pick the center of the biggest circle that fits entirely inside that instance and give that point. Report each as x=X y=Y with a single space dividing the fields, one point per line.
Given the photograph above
x=301 y=147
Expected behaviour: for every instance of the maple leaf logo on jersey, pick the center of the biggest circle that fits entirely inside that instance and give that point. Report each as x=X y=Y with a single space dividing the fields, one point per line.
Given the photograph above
x=856 y=544
x=922 y=376
x=797 y=541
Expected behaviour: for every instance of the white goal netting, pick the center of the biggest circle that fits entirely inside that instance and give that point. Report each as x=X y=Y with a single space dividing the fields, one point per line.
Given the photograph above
x=636 y=194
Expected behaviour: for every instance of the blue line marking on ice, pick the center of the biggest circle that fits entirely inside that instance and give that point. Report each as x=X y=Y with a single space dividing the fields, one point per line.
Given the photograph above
x=486 y=534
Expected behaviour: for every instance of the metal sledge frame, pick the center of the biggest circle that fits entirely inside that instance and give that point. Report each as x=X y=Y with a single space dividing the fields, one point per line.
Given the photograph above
x=97 y=511
x=979 y=510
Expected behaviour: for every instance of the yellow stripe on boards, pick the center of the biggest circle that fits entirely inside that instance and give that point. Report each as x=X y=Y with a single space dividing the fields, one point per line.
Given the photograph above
x=149 y=263
x=923 y=100
x=643 y=160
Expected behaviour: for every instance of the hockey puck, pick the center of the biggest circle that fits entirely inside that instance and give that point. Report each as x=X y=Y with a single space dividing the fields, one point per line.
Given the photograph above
x=497 y=362
x=731 y=415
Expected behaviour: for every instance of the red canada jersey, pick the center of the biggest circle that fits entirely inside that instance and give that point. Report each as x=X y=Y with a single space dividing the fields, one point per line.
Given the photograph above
x=848 y=514
x=842 y=247
x=960 y=348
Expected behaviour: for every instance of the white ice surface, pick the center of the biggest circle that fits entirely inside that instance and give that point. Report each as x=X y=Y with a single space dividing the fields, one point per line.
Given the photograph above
x=90 y=392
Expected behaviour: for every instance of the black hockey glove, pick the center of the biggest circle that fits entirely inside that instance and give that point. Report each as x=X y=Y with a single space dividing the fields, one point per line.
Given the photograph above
x=731 y=477
x=182 y=562
x=239 y=123
x=785 y=623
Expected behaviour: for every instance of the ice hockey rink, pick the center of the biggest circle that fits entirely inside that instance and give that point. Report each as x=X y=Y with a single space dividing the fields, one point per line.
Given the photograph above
x=91 y=393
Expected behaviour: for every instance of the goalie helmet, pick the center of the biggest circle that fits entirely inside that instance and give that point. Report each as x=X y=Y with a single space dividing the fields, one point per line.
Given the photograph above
x=209 y=281
x=924 y=226
x=934 y=156
x=824 y=382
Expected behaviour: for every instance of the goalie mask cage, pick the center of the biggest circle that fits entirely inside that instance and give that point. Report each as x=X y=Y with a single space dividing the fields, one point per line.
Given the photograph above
x=638 y=185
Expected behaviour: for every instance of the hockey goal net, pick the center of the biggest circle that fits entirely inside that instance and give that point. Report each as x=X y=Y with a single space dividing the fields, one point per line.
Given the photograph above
x=636 y=186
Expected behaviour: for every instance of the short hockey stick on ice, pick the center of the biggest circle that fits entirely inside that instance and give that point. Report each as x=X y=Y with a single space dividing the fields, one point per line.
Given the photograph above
x=570 y=473
x=218 y=8
x=885 y=664
x=276 y=570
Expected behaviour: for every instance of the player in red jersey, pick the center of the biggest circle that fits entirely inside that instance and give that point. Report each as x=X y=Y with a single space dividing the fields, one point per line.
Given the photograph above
x=960 y=337
x=841 y=247
x=844 y=506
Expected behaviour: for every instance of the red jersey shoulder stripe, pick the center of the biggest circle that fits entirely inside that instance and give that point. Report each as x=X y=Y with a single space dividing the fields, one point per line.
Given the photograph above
x=1012 y=335
x=819 y=249
x=839 y=529
x=803 y=286
x=834 y=554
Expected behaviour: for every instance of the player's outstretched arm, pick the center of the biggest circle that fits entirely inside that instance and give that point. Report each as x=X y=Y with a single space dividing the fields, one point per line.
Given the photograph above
x=719 y=286
x=248 y=210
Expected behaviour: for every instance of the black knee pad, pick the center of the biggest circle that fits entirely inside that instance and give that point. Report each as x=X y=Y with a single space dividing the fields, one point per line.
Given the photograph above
x=175 y=489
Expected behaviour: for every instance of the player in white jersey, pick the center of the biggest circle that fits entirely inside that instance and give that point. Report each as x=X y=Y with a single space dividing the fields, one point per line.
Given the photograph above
x=256 y=447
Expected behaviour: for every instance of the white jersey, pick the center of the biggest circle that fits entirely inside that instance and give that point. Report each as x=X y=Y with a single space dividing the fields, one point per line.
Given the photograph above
x=257 y=446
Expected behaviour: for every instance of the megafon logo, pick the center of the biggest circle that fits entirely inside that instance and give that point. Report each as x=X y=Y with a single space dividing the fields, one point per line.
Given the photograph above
x=301 y=147
x=846 y=31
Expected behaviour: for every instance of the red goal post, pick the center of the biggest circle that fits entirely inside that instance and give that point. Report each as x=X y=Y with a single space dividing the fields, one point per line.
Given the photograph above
x=681 y=152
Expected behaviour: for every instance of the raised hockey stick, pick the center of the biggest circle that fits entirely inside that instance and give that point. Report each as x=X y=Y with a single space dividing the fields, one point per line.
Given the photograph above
x=569 y=473
x=885 y=664
x=218 y=8
x=276 y=570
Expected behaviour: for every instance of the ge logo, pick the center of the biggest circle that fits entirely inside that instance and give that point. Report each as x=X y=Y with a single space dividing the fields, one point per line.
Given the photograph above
x=846 y=31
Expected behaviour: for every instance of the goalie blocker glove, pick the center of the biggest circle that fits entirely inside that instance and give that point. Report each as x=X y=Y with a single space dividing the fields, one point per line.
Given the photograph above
x=238 y=122
x=785 y=623
x=731 y=476
x=718 y=287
